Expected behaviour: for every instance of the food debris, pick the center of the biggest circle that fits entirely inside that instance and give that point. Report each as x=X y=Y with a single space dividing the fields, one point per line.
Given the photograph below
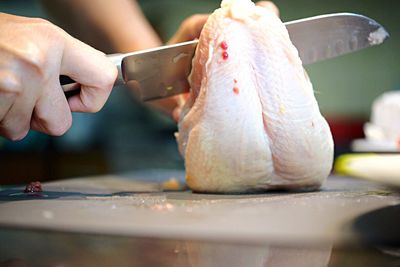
x=172 y=184
x=163 y=207
x=33 y=187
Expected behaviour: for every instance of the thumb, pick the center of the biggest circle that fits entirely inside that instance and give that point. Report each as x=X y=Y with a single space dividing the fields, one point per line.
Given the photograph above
x=90 y=68
x=190 y=29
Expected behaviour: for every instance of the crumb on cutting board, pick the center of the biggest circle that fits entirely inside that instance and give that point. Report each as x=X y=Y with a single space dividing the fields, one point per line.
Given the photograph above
x=33 y=187
x=172 y=184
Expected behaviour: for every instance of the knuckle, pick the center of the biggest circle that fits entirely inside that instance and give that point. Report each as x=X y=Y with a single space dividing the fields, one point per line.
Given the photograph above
x=109 y=78
x=36 y=54
x=9 y=83
x=46 y=27
x=14 y=134
x=194 y=17
x=91 y=104
x=29 y=57
x=55 y=128
x=35 y=57
x=20 y=135
x=192 y=25
x=63 y=126
x=188 y=21
x=60 y=128
x=198 y=19
x=38 y=21
x=95 y=107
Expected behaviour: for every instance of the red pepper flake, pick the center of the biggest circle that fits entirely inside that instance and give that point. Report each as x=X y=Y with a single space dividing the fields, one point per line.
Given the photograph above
x=234 y=80
x=225 y=55
x=235 y=90
x=33 y=187
x=224 y=45
x=312 y=124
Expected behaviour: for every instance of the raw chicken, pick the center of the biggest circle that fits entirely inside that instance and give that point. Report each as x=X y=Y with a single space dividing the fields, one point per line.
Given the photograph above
x=251 y=122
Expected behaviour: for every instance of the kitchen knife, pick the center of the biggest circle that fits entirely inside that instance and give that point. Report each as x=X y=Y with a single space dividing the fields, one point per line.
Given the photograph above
x=162 y=72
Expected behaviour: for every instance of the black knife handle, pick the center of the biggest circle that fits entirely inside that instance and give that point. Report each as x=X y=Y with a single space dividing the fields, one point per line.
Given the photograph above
x=66 y=80
x=74 y=88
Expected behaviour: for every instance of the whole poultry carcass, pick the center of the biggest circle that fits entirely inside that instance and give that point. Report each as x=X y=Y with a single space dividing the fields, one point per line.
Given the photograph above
x=252 y=121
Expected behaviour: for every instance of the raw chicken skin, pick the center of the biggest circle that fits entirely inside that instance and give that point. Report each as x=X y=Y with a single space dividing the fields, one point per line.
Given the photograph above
x=251 y=122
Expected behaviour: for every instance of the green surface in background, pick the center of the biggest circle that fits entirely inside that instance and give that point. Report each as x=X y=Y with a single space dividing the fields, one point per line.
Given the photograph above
x=344 y=86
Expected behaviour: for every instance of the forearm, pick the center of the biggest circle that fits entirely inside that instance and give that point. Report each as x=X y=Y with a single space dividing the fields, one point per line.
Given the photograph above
x=111 y=26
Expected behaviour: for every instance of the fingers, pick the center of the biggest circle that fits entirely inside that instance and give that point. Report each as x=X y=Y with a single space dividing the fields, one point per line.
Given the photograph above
x=47 y=112
x=166 y=105
x=33 y=53
x=52 y=114
x=171 y=106
x=180 y=100
x=6 y=101
x=24 y=87
x=9 y=88
x=270 y=6
x=92 y=70
x=16 y=122
x=190 y=29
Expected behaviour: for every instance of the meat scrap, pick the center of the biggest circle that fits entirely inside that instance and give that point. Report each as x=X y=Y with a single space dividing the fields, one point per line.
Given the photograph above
x=33 y=187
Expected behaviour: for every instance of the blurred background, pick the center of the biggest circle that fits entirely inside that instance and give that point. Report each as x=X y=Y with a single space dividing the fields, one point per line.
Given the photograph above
x=126 y=136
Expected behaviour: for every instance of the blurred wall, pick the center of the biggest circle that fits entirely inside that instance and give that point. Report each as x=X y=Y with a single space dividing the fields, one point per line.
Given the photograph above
x=29 y=8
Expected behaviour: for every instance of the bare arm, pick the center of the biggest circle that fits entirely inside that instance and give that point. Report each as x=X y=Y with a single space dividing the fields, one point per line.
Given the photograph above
x=111 y=26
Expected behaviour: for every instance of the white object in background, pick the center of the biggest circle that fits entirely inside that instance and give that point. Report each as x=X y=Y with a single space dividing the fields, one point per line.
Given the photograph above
x=383 y=131
x=383 y=168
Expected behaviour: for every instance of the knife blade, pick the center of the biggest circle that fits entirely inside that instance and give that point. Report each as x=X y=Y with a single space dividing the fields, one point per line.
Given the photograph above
x=162 y=72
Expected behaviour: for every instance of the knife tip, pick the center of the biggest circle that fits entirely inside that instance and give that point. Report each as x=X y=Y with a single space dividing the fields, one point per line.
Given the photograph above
x=378 y=36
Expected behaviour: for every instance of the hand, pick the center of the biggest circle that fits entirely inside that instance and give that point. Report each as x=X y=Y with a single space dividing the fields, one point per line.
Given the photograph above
x=190 y=29
x=33 y=53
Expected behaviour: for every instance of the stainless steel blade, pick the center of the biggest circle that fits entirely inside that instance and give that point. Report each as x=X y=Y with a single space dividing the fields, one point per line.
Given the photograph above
x=162 y=72
x=328 y=36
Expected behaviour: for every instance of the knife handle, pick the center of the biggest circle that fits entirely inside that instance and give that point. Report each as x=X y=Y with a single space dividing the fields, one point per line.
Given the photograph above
x=71 y=87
